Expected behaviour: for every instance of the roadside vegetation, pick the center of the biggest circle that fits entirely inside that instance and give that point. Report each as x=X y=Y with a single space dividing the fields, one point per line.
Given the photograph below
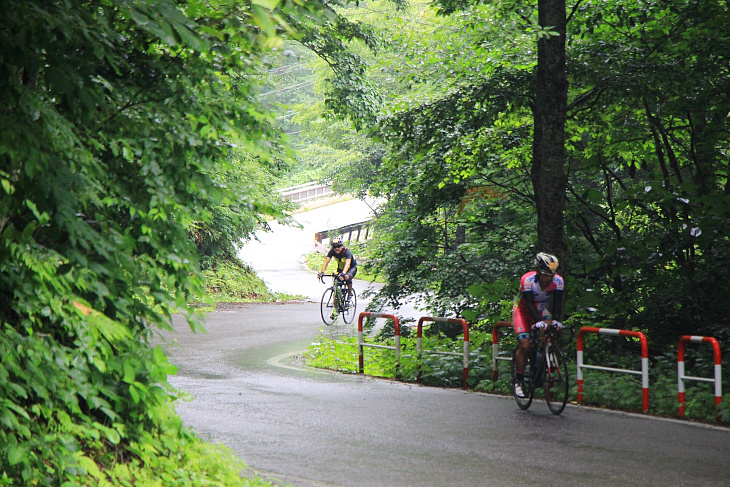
x=338 y=351
x=135 y=157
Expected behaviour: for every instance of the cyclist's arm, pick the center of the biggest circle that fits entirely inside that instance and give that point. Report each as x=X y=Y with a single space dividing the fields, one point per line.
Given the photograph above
x=557 y=308
x=530 y=302
x=326 y=263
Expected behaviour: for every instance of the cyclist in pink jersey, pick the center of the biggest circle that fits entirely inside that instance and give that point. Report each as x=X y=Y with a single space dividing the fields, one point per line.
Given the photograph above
x=537 y=288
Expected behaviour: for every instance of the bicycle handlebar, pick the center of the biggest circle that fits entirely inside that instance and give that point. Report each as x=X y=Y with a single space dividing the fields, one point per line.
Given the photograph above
x=322 y=276
x=552 y=331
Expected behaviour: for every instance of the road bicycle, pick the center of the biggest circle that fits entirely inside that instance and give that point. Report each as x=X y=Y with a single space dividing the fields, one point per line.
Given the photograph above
x=547 y=369
x=336 y=301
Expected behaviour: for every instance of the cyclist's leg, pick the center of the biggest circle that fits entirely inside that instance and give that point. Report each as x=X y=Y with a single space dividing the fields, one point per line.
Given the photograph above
x=348 y=278
x=522 y=330
x=521 y=324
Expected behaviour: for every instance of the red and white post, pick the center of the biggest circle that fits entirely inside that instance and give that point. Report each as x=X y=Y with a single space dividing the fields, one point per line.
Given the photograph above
x=361 y=341
x=495 y=348
x=682 y=377
x=465 y=326
x=644 y=361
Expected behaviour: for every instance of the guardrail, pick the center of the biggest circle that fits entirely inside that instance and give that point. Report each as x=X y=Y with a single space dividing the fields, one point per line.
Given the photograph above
x=680 y=369
x=644 y=361
x=495 y=348
x=465 y=353
x=644 y=372
x=361 y=342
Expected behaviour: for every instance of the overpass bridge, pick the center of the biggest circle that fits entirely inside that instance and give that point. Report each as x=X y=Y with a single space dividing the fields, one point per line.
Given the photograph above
x=358 y=232
x=306 y=192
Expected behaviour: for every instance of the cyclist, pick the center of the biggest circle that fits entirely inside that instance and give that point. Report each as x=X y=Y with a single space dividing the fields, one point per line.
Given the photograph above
x=346 y=263
x=537 y=287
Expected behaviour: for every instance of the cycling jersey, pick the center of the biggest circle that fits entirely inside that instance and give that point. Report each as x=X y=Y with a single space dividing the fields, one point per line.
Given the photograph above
x=521 y=316
x=342 y=257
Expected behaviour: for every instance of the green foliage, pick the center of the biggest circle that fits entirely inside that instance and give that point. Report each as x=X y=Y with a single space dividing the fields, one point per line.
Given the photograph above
x=128 y=128
x=234 y=221
x=232 y=281
x=338 y=355
x=646 y=164
x=176 y=458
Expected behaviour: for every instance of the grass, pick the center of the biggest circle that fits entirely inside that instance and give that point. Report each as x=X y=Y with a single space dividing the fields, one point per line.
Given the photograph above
x=235 y=282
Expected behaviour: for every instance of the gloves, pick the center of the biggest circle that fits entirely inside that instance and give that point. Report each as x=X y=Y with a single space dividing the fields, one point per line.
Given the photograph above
x=558 y=325
x=540 y=324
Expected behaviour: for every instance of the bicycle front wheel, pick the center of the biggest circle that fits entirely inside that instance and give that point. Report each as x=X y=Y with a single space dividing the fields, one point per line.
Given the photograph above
x=350 y=307
x=528 y=391
x=556 y=381
x=327 y=306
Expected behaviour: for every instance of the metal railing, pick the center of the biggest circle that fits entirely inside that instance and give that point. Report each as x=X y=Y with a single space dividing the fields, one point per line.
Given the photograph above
x=306 y=192
x=644 y=372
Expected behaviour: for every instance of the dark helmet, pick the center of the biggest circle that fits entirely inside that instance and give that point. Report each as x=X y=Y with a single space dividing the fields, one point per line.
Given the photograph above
x=546 y=263
x=336 y=242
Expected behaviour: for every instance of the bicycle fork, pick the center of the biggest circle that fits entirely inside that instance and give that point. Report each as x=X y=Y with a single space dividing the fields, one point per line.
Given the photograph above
x=548 y=357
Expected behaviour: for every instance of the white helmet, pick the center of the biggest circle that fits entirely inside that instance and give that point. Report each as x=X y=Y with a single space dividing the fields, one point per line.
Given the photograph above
x=546 y=263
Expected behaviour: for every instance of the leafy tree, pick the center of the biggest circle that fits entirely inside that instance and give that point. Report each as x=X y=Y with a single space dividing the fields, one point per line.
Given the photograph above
x=648 y=162
x=445 y=119
x=548 y=136
x=644 y=162
x=547 y=20
x=119 y=119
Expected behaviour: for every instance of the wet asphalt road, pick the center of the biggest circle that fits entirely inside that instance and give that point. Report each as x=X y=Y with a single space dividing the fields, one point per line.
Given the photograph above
x=314 y=428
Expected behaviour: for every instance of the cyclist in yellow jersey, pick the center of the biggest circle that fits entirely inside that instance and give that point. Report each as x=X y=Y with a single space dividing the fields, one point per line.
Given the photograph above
x=346 y=263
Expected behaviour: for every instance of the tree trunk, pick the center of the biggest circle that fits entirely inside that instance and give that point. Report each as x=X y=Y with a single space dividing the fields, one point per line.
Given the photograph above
x=548 y=150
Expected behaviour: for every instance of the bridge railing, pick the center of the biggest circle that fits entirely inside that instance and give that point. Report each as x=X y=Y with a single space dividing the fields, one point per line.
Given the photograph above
x=359 y=231
x=306 y=192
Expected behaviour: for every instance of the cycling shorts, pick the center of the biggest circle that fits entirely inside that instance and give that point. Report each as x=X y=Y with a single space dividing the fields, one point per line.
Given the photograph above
x=522 y=321
x=350 y=273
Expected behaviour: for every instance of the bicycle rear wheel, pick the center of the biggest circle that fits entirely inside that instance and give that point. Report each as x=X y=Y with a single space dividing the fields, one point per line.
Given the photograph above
x=350 y=308
x=556 y=381
x=523 y=402
x=327 y=306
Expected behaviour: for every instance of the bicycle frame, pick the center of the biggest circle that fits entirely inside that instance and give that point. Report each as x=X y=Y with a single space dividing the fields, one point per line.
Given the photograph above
x=337 y=299
x=337 y=286
x=548 y=371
